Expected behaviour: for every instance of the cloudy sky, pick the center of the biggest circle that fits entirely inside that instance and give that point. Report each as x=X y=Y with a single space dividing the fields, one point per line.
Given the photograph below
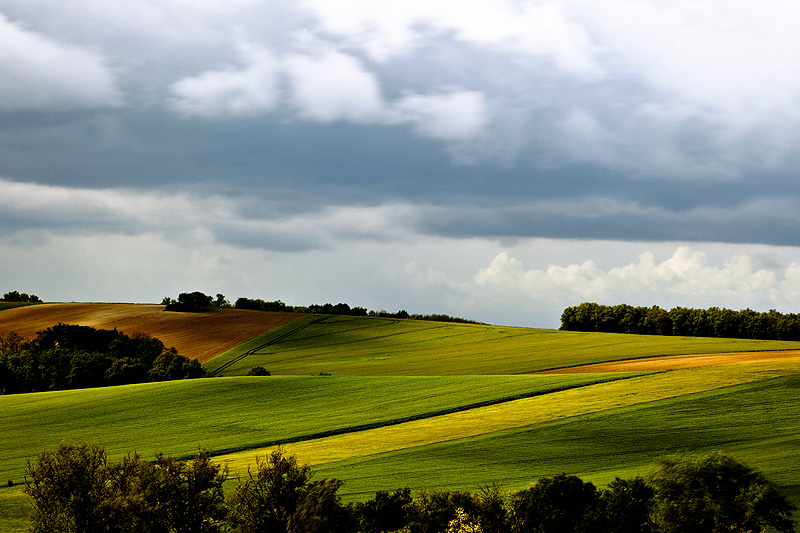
x=493 y=159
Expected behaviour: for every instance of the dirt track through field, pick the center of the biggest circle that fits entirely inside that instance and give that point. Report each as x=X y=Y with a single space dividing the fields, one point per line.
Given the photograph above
x=676 y=362
x=200 y=335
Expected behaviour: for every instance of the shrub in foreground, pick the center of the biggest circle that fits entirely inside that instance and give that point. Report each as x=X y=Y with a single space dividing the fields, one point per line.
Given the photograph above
x=75 y=489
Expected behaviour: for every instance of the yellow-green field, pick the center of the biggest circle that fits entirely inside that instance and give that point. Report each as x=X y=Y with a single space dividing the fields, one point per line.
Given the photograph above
x=433 y=405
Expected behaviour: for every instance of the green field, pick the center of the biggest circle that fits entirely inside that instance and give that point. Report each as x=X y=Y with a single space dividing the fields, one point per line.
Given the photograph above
x=431 y=405
x=228 y=414
x=343 y=345
x=756 y=422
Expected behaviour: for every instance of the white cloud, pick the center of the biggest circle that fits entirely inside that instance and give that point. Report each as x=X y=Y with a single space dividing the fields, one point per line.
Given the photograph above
x=325 y=87
x=254 y=88
x=453 y=115
x=386 y=30
x=42 y=74
x=333 y=86
x=737 y=57
x=686 y=278
x=192 y=217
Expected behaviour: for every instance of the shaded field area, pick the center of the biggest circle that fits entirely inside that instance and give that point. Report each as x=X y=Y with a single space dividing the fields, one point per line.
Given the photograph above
x=378 y=346
x=198 y=335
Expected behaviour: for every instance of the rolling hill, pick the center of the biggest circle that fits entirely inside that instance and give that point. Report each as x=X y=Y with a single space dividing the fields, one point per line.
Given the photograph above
x=198 y=335
x=434 y=405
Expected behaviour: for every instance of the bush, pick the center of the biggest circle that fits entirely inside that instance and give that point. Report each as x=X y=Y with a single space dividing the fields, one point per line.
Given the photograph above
x=75 y=489
x=258 y=371
x=558 y=504
x=190 y=302
x=717 y=493
x=279 y=496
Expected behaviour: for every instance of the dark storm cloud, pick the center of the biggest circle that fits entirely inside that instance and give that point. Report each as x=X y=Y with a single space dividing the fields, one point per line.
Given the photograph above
x=526 y=120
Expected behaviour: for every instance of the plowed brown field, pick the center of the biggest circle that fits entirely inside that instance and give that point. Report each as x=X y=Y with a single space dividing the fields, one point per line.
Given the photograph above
x=200 y=335
x=674 y=362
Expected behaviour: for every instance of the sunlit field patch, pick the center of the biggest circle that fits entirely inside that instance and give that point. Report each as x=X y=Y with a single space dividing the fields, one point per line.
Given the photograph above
x=378 y=346
x=523 y=412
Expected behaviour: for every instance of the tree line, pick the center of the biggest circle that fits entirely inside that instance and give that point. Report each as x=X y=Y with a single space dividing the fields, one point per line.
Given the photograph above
x=75 y=488
x=711 y=322
x=341 y=309
x=68 y=356
x=200 y=302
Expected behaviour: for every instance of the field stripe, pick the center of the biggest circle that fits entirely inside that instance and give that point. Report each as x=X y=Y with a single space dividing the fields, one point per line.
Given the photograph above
x=675 y=362
x=518 y=413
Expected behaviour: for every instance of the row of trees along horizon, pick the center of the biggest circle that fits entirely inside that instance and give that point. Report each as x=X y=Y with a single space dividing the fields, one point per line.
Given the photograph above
x=200 y=302
x=76 y=488
x=683 y=321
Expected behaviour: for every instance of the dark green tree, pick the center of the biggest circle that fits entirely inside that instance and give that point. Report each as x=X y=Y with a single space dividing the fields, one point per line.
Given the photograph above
x=321 y=511
x=558 y=504
x=279 y=496
x=16 y=296
x=258 y=371
x=191 y=302
x=387 y=511
x=187 y=497
x=222 y=302
x=717 y=493
x=75 y=489
x=432 y=512
x=69 y=490
x=265 y=500
x=627 y=504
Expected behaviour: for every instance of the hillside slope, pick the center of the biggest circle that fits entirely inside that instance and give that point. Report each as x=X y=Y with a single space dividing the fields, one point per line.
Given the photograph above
x=200 y=335
x=371 y=346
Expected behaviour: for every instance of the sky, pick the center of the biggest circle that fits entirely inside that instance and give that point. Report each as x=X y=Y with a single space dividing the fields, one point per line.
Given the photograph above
x=497 y=160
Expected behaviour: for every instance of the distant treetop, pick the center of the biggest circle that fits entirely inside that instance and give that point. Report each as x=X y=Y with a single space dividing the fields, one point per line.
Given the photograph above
x=16 y=296
x=711 y=322
x=199 y=302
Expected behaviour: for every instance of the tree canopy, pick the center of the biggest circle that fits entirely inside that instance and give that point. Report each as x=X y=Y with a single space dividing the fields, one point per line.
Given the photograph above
x=711 y=322
x=17 y=297
x=68 y=356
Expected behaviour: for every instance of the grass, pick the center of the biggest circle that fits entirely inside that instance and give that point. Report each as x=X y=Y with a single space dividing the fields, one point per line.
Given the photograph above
x=13 y=509
x=568 y=403
x=377 y=346
x=241 y=412
x=755 y=422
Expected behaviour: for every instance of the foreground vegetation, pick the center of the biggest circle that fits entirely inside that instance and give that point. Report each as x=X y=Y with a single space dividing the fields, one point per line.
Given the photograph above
x=75 y=488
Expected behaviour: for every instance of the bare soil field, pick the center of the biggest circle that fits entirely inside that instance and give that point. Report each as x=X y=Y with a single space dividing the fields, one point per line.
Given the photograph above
x=200 y=335
x=674 y=362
